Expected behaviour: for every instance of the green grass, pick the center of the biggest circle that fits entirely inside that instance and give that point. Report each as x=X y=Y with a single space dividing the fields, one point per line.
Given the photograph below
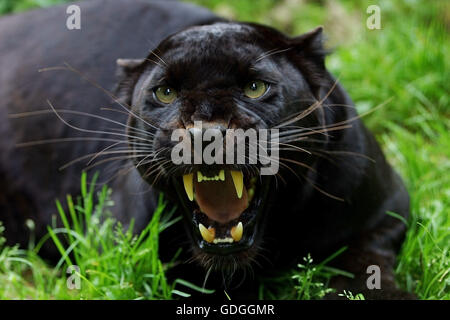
x=113 y=263
x=404 y=61
x=12 y=6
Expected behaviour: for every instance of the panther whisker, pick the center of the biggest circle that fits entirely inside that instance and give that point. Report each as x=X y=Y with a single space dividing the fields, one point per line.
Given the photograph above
x=81 y=158
x=157 y=56
x=155 y=62
x=293 y=131
x=110 y=147
x=310 y=109
x=321 y=190
x=127 y=108
x=350 y=153
x=353 y=118
x=154 y=154
x=150 y=170
x=60 y=140
x=80 y=113
x=252 y=113
x=208 y=272
x=271 y=53
x=298 y=163
x=114 y=110
x=291 y=146
x=128 y=157
x=162 y=172
x=301 y=135
x=140 y=153
x=137 y=134
x=124 y=170
x=88 y=130
x=159 y=169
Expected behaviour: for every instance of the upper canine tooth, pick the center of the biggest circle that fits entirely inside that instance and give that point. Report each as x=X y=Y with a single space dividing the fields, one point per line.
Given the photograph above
x=207 y=234
x=238 y=180
x=188 y=185
x=200 y=177
x=237 y=231
x=222 y=175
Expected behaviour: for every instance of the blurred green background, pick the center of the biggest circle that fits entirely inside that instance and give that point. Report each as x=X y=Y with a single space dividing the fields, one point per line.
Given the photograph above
x=406 y=60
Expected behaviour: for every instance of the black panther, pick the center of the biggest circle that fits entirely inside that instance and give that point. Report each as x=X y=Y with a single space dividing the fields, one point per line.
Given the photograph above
x=178 y=64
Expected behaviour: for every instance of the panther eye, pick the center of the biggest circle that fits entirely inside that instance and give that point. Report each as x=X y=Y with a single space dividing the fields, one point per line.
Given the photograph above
x=166 y=94
x=255 y=89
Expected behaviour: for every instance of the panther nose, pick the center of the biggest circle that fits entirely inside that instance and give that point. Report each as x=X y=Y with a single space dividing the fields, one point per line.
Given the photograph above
x=215 y=125
x=197 y=132
x=197 y=135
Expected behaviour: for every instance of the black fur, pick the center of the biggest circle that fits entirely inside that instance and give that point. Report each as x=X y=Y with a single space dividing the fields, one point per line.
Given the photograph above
x=338 y=198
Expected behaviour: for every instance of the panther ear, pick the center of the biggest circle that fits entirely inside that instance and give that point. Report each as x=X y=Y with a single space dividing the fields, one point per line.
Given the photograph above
x=129 y=64
x=309 y=57
x=310 y=45
x=128 y=71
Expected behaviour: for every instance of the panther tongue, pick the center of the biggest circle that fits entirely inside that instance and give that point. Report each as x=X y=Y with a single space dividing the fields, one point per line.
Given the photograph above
x=219 y=200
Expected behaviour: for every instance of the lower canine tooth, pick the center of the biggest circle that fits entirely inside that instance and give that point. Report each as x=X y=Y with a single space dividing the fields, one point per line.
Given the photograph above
x=237 y=231
x=207 y=234
x=188 y=185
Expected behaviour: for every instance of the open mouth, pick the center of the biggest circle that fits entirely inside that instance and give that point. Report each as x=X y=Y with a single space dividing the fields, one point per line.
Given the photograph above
x=224 y=207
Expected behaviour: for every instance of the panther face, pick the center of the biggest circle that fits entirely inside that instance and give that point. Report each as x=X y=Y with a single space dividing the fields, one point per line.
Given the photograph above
x=226 y=76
